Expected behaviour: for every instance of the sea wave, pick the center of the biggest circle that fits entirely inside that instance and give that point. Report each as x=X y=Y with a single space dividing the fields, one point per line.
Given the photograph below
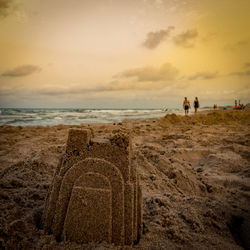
x=50 y=117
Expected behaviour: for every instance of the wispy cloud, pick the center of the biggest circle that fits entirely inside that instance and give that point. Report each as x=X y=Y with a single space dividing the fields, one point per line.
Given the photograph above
x=237 y=45
x=138 y=79
x=164 y=73
x=154 y=39
x=5 y=7
x=209 y=37
x=186 y=39
x=203 y=76
x=125 y=85
x=215 y=74
x=158 y=2
x=247 y=65
x=78 y=90
x=21 y=71
x=60 y=90
x=112 y=86
x=241 y=73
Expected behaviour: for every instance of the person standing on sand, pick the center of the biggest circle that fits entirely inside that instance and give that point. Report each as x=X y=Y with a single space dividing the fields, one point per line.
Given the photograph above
x=235 y=104
x=186 y=105
x=196 y=104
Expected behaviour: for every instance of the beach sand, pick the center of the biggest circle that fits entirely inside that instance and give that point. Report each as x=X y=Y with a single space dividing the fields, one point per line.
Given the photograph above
x=194 y=170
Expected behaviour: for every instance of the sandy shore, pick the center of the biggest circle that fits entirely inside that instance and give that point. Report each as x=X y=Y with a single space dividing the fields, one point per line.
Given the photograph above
x=194 y=171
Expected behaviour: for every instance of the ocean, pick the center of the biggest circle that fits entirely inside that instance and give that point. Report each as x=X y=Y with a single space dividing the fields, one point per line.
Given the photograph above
x=51 y=117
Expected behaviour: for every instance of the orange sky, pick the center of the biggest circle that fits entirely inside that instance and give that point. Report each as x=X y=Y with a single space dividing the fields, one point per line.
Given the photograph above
x=123 y=54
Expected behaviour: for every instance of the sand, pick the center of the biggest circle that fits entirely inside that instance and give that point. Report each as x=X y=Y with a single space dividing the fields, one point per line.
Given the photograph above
x=95 y=195
x=194 y=171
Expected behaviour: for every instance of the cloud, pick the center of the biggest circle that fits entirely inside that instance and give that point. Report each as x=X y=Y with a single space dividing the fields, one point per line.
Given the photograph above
x=124 y=85
x=246 y=64
x=241 y=73
x=11 y=7
x=138 y=79
x=5 y=7
x=245 y=71
x=155 y=38
x=60 y=90
x=112 y=86
x=203 y=76
x=237 y=45
x=20 y=71
x=186 y=39
x=79 y=90
x=209 y=37
x=144 y=74
x=74 y=89
x=158 y=2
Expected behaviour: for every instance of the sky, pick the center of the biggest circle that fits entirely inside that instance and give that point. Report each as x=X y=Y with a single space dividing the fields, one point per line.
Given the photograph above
x=123 y=53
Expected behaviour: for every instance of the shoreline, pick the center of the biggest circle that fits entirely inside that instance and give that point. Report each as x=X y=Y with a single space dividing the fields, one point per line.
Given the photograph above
x=201 y=112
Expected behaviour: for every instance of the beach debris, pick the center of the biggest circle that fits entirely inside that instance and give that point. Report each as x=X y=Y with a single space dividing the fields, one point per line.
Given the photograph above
x=95 y=195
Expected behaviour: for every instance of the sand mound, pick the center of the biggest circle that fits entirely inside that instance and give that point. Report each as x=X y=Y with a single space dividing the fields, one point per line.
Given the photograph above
x=195 y=179
x=24 y=186
x=210 y=118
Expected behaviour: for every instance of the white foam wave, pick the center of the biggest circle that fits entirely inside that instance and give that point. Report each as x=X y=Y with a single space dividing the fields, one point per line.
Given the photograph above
x=50 y=117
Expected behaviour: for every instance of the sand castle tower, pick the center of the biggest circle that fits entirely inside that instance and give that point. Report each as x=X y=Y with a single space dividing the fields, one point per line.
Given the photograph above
x=95 y=195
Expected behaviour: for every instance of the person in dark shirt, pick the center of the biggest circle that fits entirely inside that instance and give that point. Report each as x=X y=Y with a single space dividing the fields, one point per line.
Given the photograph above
x=196 y=104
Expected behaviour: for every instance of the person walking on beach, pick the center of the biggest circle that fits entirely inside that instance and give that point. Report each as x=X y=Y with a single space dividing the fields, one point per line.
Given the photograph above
x=186 y=105
x=196 y=104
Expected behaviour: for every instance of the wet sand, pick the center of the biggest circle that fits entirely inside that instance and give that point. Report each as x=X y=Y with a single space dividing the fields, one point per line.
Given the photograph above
x=194 y=170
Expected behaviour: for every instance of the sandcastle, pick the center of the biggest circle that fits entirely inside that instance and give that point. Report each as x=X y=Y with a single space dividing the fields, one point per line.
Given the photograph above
x=95 y=195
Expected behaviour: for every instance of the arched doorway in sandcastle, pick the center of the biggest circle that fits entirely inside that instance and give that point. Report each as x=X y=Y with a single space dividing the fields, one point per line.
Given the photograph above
x=94 y=208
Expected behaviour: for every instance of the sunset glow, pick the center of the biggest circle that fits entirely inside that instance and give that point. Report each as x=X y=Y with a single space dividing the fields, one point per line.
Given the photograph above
x=123 y=54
